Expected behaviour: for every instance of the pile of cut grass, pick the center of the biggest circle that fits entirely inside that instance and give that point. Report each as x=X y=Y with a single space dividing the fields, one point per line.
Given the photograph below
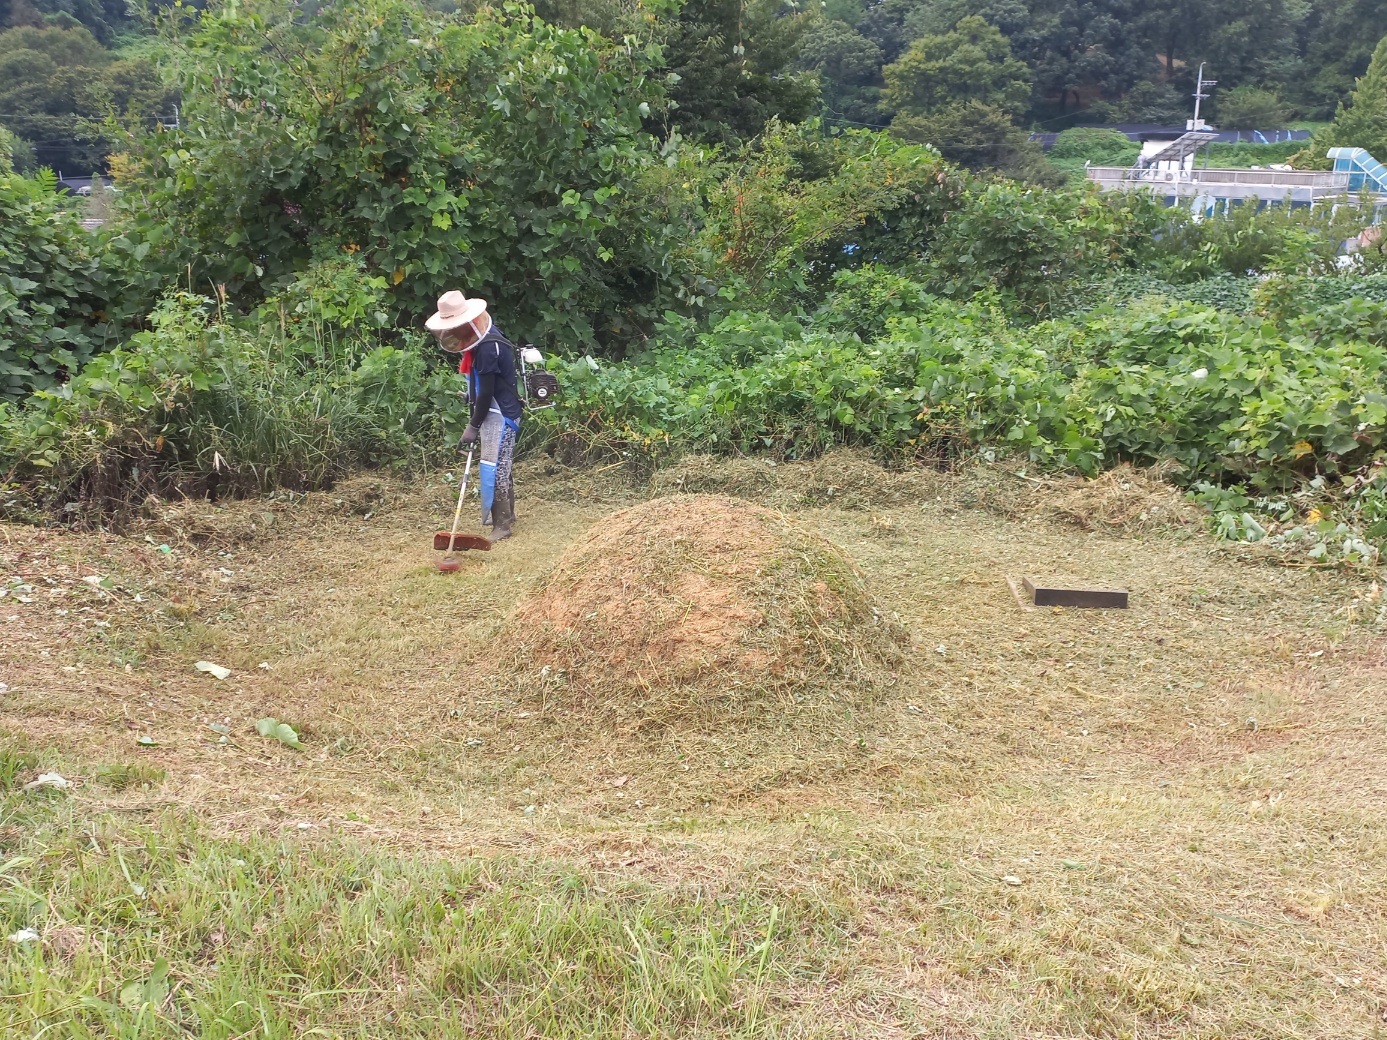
x=694 y=610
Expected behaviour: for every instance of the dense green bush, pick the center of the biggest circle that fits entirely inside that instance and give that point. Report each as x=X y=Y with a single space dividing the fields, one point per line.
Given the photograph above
x=1250 y=108
x=1033 y=245
x=868 y=301
x=771 y=225
x=1279 y=296
x=1253 y=239
x=1095 y=144
x=1075 y=148
x=202 y=403
x=1226 y=292
x=493 y=152
x=51 y=287
x=205 y=407
x=1228 y=397
x=15 y=154
x=1304 y=295
x=1246 y=154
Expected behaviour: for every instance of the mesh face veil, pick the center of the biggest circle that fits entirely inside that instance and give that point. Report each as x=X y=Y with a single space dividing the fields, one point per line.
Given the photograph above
x=465 y=336
x=455 y=341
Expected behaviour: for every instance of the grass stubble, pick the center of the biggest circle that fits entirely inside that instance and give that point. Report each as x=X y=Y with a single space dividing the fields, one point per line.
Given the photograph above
x=1166 y=821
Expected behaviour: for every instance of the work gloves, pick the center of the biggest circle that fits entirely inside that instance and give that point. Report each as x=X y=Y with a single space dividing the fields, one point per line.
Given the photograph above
x=470 y=435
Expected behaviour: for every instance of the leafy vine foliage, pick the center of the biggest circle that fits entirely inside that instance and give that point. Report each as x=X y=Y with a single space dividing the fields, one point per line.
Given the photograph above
x=52 y=287
x=496 y=153
x=705 y=274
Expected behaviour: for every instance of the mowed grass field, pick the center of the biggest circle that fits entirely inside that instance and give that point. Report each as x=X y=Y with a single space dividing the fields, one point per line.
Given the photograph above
x=1169 y=821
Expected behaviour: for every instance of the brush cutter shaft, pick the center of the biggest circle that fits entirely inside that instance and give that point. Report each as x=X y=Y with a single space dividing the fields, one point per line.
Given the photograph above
x=451 y=541
x=457 y=513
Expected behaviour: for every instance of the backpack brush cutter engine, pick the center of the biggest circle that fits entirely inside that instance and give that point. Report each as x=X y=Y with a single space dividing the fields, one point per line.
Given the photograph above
x=541 y=387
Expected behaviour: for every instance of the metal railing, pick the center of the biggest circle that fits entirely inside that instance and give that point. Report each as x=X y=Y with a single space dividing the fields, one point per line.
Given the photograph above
x=1333 y=183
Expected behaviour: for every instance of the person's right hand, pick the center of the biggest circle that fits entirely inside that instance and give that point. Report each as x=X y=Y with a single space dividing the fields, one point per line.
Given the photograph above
x=470 y=435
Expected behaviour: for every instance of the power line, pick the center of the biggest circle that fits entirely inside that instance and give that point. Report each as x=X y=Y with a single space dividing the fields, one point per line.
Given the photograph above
x=855 y=122
x=77 y=117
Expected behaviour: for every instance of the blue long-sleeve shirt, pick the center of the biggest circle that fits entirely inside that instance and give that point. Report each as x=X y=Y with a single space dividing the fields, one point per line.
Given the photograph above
x=493 y=378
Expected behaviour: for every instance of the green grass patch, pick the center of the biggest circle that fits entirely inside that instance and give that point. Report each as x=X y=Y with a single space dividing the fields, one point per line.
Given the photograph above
x=166 y=930
x=123 y=776
x=16 y=767
x=1242 y=156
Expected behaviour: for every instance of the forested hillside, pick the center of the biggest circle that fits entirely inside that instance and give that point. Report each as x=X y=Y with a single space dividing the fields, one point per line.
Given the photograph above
x=72 y=74
x=1131 y=61
x=965 y=75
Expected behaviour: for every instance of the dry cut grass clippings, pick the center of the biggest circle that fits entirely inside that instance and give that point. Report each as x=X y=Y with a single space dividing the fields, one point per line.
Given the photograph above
x=697 y=610
x=737 y=804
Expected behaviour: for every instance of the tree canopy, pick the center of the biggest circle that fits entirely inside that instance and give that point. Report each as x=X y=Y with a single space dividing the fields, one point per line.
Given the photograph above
x=849 y=65
x=731 y=67
x=1361 y=121
x=1086 y=53
x=59 y=88
x=726 y=68
x=960 y=92
x=971 y=63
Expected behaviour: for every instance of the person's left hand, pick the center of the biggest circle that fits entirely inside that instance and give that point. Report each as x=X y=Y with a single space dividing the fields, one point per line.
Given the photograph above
x=470 y=435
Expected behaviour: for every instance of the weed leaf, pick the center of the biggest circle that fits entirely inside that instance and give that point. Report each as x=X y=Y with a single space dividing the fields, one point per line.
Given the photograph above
x=281 y=731
x=153 y=990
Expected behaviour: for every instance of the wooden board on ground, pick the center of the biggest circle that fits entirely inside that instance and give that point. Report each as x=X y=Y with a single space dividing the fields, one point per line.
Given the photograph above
x=1051 y=595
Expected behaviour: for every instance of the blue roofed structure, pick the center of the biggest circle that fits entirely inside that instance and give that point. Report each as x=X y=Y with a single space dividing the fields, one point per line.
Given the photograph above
x=1364 y=172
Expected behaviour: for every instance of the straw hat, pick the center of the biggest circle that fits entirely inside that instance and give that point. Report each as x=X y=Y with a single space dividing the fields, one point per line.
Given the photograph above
x=455 y=309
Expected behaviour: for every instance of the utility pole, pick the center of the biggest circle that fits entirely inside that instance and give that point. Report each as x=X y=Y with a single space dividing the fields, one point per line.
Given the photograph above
x=1200 y=85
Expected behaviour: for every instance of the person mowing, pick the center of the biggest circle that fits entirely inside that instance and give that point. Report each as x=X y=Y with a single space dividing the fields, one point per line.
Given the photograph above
x=464 y=327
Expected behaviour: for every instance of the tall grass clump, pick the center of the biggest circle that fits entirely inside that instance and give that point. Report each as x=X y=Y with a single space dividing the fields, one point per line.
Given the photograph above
x=199 y=405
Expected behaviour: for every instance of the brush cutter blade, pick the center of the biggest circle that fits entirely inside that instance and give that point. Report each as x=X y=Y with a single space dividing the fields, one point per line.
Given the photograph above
x=460 y=541
x=447 y=565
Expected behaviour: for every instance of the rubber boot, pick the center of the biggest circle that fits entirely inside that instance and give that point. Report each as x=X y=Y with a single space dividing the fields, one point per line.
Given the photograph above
x=502 y=511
